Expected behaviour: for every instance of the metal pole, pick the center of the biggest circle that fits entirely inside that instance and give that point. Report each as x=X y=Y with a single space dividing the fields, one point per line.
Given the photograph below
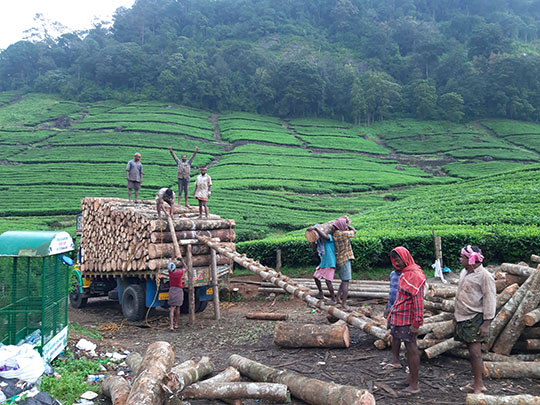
x=217 y=314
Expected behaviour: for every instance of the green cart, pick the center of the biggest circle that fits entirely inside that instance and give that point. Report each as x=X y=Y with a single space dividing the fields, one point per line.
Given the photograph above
x=34 y=289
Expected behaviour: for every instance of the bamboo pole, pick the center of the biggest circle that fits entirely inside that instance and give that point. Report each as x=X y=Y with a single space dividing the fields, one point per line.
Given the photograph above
x=360 y=321
x=215 y=288
x=191 y=287
x=310 y=390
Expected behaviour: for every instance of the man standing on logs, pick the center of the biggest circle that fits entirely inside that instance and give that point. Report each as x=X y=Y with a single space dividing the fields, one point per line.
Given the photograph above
x=475 y=304
x=203 y=190
x=184 y=169
x=407 y=313
x=134 y=175
x=344 y=254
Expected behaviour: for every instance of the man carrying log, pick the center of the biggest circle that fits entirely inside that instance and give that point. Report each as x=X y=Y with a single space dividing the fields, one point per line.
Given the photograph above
x=344 y=254
x=165 y=194
x=184 y=169
x=134 y=175
x=407 y=313
x=325 y=270
x=474 y=309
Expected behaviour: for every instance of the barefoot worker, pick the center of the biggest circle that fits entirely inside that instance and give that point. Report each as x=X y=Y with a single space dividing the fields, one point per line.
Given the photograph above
x=165 y=194
x=407 y=313
x=203 y=190
x=176 y=294
x=325 y=270
x=134 y=175
x=474 y=309
x=344 y=254
x=184 y=169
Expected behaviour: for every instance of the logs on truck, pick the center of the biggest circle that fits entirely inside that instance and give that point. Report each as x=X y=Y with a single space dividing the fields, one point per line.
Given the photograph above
x=154 y=380
x=123 y=237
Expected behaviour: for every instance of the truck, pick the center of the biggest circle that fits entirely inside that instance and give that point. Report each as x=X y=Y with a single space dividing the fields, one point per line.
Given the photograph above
x=138 y=289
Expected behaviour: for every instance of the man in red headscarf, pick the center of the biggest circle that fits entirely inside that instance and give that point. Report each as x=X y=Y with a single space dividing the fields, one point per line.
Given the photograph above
x=474 y=309
x=407 y=312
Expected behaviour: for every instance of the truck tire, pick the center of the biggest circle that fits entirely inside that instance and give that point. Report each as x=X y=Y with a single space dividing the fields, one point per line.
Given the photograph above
x=199 y=305
x=134 y=302
x=77 y=299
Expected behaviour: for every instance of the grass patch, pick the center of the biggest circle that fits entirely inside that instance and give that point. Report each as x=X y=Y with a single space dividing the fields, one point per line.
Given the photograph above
x=92 y=333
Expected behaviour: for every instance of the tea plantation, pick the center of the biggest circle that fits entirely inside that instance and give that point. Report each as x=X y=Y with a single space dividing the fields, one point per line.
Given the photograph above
x=399 y=180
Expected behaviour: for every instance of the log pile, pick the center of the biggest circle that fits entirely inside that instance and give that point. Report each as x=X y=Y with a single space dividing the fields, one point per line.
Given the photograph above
x=357 y=288
x=511 y=331
x=122 y=237
x=156 y=381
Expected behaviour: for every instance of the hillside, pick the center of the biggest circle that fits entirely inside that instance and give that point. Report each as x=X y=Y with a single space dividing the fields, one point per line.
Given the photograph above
x=271 y=175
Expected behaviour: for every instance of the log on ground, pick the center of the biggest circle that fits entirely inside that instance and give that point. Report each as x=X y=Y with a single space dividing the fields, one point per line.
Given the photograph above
x=267 y=316
x=512 y=369
x=517 y=269
x=238 y=390
x=133 y=360
x=532 y=317
x=531 y=333
x=310 y=390
x=464 y=354
x=288 y=334
x=116 y=388
x=483 y=399
x=442 y=347
x=156 y=363
x=180 y=377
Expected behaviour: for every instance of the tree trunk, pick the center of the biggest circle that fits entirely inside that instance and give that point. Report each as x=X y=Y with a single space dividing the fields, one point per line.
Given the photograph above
x=238 y=390
x=267 y=316
x=515 y=326
x=294 y=335
x=180 y=377
x=230 y=374
x=116 y=388
x=512 y=369
x=156 y=363
x=532 y=317
x=133 y=360
x=442 y=347
x=517 y=269
x=310 y=390
x=483 y=399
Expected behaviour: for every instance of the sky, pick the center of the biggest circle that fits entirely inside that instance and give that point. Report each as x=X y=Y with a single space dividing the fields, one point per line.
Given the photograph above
x=18 y=15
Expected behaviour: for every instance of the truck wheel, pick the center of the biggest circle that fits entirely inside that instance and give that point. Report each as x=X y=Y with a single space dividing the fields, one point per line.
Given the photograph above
x=76 y=298
x=199 y=305
x=134 y=303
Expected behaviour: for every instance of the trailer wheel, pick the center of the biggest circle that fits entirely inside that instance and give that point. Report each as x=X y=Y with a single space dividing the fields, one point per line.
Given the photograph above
x=134 y=303
x=76 y=298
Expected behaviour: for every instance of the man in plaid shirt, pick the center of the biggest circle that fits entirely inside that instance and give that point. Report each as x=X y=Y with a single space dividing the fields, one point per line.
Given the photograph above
x=344 y=254
x=407 y=312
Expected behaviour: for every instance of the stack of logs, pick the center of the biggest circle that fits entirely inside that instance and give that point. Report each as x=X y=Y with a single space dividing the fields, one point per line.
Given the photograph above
x=512 y=335
x=120 y=236
x=155 y=381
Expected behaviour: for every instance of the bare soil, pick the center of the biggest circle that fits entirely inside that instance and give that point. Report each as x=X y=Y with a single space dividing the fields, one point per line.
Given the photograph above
x=361 y=365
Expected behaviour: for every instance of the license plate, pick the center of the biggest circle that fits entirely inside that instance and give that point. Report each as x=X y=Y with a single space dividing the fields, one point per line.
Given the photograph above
x=163 y=296
x=209 y=291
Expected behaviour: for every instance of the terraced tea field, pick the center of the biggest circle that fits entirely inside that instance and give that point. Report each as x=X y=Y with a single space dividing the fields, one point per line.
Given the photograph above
x=271 y=175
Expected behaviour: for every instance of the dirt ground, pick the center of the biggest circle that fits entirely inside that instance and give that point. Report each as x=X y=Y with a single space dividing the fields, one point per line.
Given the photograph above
x=361 y=365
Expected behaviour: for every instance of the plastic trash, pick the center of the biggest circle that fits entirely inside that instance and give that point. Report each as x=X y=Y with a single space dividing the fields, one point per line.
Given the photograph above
x=33 y=338
x=446 y=270
x=95 y=377
x=21 y=362
x=86 y=345
x=438 y=270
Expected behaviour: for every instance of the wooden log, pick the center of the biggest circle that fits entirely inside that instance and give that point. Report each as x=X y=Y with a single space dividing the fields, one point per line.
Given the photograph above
x=442 y=290
x=506 y=313
x=532 y=344
x=443 y=329
x=186 y=224
x=238 y=390
x=531 y=333
x=442 y=347
x=483 y=399
x=516 y=269
x=191 y=286
x=358 y=320
x=464 y=354
x=352 y=294
x=180 y=377
x=310 y=390
x=267 y=316
x=294 y=335
x=512 y=278
x=426 y=343
x=531 y=318
x=156 y=363
x=512 y=369
x=133 y=360
x=166 y=250
x=512 y=331
x=327 y=227
x=177 y=252
x=230 y=374
x=224 y=235
x=116 y=388
x=443 y=316
x=215 y=287
x=500 y=285
x=505 y=295
x=535 y=258
x=196 y=261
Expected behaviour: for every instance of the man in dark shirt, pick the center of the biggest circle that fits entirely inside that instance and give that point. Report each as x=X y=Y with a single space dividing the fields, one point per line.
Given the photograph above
x=134 y=175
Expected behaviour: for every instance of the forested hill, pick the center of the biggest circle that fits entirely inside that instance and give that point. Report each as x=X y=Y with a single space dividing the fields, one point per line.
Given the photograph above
x=353 y=60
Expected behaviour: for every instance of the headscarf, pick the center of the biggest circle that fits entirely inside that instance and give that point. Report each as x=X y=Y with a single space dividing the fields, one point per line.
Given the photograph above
x=474 y=257
x=412 y=277
x=341 y=224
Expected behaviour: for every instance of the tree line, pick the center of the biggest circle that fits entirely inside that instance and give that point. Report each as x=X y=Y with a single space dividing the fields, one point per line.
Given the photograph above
x=354 y=60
